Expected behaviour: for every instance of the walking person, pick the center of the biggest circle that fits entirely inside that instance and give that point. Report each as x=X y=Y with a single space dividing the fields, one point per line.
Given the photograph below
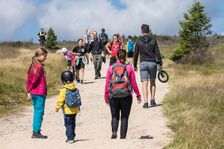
x=130 y=49
x=36 y=87
x=42 y=35
x=80 y=60
x=112 y=47
x=88 y=39
x=68 y=56
x=120 y=81
x=97 y=52
x=65 y=102
x=104 y=39
x=149 y=53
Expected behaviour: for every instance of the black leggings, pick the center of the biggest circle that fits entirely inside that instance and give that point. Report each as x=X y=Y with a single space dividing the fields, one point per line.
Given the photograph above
x=123 y=105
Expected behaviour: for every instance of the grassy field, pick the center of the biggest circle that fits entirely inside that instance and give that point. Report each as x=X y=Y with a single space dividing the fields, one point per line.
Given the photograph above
x=195 y=103
x=14 y=64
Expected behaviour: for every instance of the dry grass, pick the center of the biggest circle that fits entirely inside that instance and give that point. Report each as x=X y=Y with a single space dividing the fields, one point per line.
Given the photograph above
x=13 y=72
x=195 y=104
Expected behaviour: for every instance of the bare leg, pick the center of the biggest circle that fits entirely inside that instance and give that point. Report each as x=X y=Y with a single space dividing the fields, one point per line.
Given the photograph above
x=145 y=91
x=81 y=75
x=152 y=88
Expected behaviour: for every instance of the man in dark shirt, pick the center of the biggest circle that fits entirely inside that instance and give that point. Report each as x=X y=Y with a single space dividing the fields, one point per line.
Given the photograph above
x=97 y=52
x=149 y=54
x=104 y=39
x=42 y=37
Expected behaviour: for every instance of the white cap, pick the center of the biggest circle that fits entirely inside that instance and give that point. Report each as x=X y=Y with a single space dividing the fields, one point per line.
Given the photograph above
x=64 y=50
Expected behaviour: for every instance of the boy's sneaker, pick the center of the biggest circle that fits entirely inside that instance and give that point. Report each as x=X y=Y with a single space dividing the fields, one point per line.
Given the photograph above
x=114 y=135
x=146 y=105
x=70 y=141
x=38 y=135
x=152 y=102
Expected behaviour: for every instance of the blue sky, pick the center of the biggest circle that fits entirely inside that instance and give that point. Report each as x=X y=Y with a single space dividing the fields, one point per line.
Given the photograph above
x=22 y=19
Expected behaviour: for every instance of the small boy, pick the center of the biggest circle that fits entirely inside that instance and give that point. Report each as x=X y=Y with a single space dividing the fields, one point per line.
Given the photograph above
x=69 y=113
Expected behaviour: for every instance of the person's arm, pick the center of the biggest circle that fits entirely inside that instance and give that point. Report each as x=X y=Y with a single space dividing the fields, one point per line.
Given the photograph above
x=158 y=54
x=61 y=100
x=106 y=91
x=134 y=84
x=108 y=46
x=136 y=53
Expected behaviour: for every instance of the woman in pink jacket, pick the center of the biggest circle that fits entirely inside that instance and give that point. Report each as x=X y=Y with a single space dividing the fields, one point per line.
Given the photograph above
x=120 y=81
x=37 y=90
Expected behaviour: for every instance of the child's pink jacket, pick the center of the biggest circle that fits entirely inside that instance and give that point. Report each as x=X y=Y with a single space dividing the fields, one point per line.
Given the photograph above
x=36 y=81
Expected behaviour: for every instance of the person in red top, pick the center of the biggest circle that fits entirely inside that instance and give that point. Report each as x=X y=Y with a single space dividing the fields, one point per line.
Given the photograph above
x=36 y=87
x=122 y=104
x=112 y=47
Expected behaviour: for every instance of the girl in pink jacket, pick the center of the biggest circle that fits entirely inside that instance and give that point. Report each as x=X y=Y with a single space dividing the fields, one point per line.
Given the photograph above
x=37 y=90
x=120 y=81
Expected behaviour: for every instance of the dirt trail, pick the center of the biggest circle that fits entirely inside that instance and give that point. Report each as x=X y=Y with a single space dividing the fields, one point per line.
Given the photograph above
x=93 y=123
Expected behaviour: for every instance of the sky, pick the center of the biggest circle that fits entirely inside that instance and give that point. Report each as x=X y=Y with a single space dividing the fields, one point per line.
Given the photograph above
x=22 y=19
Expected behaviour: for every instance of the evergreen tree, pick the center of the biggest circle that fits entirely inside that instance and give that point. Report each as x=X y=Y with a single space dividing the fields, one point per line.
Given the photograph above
x=194 y=28
x=51 y=41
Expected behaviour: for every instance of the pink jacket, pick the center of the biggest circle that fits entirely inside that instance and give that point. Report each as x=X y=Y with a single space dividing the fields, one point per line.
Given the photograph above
x=131 y=75
x=36 y=81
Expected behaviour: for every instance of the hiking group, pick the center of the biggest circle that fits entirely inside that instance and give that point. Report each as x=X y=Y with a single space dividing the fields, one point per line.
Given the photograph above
x=119 y=84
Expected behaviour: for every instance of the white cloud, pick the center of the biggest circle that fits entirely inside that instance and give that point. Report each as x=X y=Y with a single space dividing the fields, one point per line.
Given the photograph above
x=13 y=14
x=71 y=18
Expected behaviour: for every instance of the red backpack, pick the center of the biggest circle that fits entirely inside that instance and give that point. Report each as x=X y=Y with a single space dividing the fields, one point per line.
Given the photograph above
x=120 y=86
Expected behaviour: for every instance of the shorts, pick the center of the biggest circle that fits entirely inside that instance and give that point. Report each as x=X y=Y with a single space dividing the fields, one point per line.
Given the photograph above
x=148 y=71
x=80 y=65
x=130 y=54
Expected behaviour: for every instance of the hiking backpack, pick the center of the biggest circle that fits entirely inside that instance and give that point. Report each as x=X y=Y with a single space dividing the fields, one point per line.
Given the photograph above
x=73 y=98
x=119 y=86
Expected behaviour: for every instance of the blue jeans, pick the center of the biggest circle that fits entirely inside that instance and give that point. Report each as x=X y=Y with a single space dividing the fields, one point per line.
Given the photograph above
x=38 y=106
x=70 y=126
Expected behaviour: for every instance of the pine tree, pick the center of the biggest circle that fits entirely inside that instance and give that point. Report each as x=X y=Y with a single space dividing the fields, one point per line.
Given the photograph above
x=51 y=41
x=194 y=28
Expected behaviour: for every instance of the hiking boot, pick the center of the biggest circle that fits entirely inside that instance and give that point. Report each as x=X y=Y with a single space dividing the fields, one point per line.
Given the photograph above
x=152 y=102
x=114 y=135
x=146 y=105
x=38 y=135
x=70 y=141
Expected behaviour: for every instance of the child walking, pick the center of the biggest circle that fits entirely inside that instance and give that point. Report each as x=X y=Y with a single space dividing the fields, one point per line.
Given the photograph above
x=68 y=56
x=70 y=112
x=37 y=90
